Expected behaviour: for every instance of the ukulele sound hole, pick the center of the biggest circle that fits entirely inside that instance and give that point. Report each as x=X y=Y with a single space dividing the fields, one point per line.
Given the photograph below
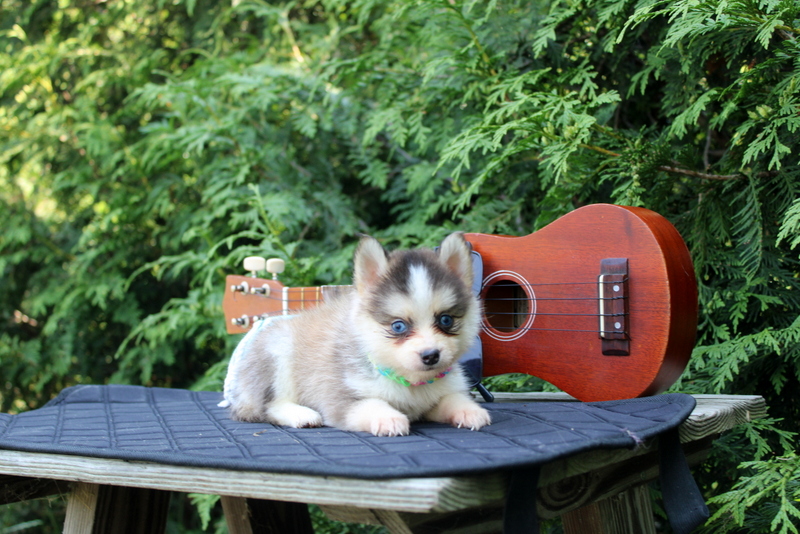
x=506 y=306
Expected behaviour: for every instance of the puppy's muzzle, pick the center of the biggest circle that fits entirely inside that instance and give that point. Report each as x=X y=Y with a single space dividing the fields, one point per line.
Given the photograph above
x=430 y=357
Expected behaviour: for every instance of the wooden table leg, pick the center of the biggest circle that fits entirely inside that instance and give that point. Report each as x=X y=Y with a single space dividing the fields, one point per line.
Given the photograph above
x=237 y=514
x=81 y=508
x=256 y=516
x=93 y=508
x=629 y=511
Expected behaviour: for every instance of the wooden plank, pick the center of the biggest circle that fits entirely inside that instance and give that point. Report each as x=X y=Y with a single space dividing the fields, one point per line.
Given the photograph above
x=715 y=414
x=408 y=494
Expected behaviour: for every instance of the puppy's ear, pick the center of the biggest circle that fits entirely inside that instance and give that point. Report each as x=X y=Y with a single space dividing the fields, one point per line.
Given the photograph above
x=370 y=263
x=455 y=254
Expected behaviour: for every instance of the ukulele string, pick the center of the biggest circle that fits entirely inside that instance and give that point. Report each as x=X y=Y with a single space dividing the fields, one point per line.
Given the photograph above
x=261 y=317
x=502 y=284
x=550 y=314
x=537 y=299
x=512 y=284
x=492 y=314
x=490 y=299
x=290 y=302
x=531 y=329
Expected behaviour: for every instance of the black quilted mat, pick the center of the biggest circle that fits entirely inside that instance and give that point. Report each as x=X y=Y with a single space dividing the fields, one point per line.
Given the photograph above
x=183 y=427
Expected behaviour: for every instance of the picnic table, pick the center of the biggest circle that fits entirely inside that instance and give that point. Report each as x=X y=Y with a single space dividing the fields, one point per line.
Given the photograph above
x=592 y=491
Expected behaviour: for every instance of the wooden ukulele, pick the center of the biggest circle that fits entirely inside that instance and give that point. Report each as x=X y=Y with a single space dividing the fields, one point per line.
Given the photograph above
x=602 y=303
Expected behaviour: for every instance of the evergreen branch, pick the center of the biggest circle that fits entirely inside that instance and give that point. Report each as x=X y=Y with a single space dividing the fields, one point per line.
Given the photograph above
x=787 y=29
x=607 y=131
x=780 y=27
x=678 y=170
x=474 y=36
x=703 y=175
x=600 y=150
x=708 y=176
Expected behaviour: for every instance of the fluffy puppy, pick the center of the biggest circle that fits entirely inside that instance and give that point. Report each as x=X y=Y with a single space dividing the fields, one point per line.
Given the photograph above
x=375 y=357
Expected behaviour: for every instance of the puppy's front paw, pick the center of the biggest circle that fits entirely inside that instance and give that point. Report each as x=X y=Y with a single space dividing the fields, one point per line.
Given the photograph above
x=473 y=417
x=390 y=425
x=460 y=411
x=378 y=417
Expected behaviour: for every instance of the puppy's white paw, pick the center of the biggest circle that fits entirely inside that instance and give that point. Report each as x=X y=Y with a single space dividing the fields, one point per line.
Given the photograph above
x=294 y=415
x=390 y=426
x=378 y=417
x=473 y=417
x=460 y=411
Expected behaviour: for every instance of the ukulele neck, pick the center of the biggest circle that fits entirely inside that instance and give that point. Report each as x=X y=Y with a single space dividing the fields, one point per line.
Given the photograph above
x=296 y=299
x=250 y=299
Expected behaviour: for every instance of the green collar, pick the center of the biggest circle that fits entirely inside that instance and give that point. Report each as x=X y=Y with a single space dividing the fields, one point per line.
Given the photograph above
x=392 y=375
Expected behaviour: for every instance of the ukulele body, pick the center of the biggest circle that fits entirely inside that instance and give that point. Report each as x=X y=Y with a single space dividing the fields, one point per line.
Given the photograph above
x=602 y=303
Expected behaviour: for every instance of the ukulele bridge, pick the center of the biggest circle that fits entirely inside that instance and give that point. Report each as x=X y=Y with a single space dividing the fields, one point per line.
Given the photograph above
x=612 y=298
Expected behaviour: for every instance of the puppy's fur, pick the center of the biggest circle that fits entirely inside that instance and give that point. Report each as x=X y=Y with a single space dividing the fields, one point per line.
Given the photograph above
x=411 y=314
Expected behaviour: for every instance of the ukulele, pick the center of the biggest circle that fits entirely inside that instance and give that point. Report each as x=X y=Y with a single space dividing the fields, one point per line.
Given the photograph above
x=602 y=303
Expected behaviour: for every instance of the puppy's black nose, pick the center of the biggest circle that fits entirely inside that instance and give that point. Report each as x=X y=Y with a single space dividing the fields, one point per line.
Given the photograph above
x=430 y=357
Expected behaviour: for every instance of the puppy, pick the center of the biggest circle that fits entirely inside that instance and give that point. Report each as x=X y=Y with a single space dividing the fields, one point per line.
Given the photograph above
x=372 y=359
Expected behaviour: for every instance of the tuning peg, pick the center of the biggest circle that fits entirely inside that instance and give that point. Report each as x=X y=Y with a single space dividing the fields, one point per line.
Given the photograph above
x=244 y=287
x=243 y=321
x=254 y=264
x=275 y=266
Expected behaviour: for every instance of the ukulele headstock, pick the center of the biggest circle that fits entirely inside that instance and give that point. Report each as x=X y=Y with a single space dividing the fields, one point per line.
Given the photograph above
x=249 y=298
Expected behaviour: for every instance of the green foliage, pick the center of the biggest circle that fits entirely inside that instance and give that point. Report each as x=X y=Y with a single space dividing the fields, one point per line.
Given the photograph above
x=147 y=147
x=774 y=481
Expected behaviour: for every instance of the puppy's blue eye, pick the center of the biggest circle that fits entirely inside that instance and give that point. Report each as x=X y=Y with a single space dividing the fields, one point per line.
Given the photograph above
x=399 y=327
x=446 y=321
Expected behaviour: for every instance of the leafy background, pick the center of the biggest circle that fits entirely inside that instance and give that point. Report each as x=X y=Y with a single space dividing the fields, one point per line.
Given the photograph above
x=147 y=146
